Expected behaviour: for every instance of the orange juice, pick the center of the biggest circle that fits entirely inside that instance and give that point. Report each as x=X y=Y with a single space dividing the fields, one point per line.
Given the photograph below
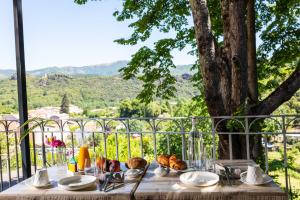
x=83 y=156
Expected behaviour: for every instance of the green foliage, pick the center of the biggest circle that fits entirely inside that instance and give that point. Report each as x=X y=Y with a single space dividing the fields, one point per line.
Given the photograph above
x=278 y=53
x=292 y=154
x=102 y=94
x=135 y=108
x=173 y=140
x=123 y=146
x=276 y=169
x=153 y=65
x=280 y=32
x=277 y=25
x=80 y=2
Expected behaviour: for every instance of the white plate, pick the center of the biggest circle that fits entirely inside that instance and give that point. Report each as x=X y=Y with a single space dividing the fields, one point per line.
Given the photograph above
x=266 y=179
x=29 y=182
x=76 y=182
x=199 y=178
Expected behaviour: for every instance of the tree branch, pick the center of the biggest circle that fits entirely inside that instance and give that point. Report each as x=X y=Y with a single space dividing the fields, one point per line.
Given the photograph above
x=251 y=52
x=204 y=36
x=208 y=58
x=282 y=94
x=238 y=51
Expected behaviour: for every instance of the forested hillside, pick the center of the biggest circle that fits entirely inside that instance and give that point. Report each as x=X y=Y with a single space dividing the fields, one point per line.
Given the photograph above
x=87 y=92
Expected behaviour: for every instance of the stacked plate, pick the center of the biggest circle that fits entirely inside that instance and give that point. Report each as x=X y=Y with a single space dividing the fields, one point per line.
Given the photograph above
x=77 y=182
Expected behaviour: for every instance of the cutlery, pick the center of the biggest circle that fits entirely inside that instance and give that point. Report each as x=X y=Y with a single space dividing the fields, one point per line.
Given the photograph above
x=222 y=177
x=102 y=180
x=227 y=173
x=106 y=183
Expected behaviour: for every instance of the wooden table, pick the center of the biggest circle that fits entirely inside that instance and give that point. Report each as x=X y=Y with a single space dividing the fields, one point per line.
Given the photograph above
x=169 y=187
x=149 y=187
x=22 y=191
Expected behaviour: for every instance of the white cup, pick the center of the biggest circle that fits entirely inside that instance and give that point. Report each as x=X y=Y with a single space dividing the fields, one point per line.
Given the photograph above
x=41 y=177
x=254 y=174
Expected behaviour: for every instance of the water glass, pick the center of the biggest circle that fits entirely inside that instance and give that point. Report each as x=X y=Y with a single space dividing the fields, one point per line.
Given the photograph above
x=195 y=150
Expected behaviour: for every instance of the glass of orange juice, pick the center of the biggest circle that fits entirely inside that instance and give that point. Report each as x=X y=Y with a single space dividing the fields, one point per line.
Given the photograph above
x=83 y=158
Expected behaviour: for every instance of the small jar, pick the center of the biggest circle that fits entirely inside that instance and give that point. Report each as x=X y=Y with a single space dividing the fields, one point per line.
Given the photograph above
x=161 y=171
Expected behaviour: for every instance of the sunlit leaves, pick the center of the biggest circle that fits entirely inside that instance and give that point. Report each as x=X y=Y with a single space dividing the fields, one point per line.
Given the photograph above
x=80 y=2
x=277 y=25
x=279 y=50
x=152 y=67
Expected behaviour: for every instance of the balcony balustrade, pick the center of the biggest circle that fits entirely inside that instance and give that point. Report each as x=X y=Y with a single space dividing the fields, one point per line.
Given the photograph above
x=122 y=138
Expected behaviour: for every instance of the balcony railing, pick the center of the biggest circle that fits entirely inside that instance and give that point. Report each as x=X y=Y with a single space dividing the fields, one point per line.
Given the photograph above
x=122 y=138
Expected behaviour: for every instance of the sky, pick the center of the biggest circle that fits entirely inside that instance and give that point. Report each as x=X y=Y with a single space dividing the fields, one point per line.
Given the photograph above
x=62 y=33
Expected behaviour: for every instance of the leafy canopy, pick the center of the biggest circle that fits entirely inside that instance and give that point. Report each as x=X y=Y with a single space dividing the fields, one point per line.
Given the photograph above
x=278 y=54
x=277 y=24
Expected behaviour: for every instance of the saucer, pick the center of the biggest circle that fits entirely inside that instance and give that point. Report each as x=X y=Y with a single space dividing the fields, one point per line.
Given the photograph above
x=29 y=182
x=266 y=179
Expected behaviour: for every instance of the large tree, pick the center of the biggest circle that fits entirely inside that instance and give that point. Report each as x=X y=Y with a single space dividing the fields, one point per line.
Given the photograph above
x=65 y=104
x=223 y=36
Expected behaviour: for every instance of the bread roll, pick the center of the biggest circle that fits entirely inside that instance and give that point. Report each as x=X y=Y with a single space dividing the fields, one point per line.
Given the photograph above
x=178 y=164
x=163 y=160
x=103 y=163
x=136 y=163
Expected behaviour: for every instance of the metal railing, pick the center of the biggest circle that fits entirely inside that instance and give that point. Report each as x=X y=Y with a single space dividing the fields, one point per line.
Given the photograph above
x=151 y=135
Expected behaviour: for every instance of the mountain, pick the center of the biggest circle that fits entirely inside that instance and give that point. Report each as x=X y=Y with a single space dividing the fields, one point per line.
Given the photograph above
x=107 y=69
x=5 y=73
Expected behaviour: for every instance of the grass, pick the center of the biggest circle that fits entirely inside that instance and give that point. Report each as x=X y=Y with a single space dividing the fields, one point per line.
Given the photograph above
x=278 y=173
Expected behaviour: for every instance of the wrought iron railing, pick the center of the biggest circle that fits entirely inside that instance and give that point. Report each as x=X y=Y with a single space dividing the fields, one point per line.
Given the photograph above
x=145 y=137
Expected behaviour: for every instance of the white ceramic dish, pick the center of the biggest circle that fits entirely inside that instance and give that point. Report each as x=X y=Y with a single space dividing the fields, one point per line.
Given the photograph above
x=133 y=173
x=266 y=179
x=161 y=171
x=29 y=182
x=199 y=178
x=76 y=182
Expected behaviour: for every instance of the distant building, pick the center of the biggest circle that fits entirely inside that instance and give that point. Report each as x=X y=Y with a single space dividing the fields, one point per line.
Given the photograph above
x=13 y=77
x=186 y=76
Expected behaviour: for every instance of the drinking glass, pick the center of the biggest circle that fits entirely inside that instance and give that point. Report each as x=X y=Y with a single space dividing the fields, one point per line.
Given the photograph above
x=195 y=147
x=208 y=159
x=192 y=152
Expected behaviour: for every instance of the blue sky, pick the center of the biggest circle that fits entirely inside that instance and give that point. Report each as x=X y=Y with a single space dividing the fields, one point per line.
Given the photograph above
x=62 y=33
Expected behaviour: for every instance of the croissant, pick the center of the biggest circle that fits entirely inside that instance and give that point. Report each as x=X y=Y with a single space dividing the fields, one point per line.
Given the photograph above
x=163 y=160
x=172 y=158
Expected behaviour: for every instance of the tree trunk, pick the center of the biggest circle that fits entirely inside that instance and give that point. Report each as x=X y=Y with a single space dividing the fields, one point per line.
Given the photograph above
x=224 y=69
x=255 y=141
x=229 y=71
x=251 y=53
x=209 y=66
x=238 y=55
